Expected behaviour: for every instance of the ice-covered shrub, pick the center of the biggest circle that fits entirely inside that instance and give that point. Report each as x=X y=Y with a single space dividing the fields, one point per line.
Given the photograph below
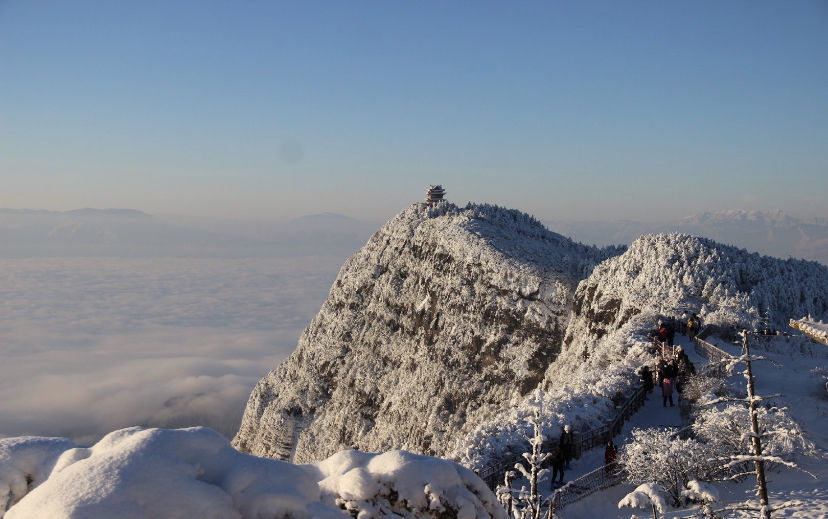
x=657 y=455
x=727 y=427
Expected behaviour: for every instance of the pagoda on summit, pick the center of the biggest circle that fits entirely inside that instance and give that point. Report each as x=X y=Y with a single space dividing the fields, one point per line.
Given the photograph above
x=435 y=194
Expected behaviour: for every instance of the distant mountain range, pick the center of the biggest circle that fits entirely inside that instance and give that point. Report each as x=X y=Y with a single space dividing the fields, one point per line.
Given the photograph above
x=773 y=233
x=129 y=232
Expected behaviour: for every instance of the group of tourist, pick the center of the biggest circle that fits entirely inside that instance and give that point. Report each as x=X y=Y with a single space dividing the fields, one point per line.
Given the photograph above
x=665 y=333
x=670 y=373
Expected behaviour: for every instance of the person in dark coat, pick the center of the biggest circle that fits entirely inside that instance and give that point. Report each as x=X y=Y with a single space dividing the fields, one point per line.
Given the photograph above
x=647 y=379
x=660 y=368
x=610 y=455
x=557 y=465
x=693 y=326
x=671 y=372
x=671 y=333
x=567 y=444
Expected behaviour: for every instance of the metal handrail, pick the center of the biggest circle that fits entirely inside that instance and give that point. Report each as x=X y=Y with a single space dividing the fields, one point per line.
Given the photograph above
x=713 y=353
x=591 y=482
x=493 y=473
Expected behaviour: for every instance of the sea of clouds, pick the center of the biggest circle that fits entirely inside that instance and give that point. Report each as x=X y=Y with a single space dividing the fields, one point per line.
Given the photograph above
x=89 y=345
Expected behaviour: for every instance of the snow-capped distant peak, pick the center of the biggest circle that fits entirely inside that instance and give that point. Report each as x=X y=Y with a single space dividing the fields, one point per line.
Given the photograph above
x=775 y=217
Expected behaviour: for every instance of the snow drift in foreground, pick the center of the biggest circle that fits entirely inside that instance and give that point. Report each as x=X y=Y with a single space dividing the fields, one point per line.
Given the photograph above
x=196 y=473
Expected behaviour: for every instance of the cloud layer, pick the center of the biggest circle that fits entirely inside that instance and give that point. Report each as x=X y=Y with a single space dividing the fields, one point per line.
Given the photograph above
x=94 y=344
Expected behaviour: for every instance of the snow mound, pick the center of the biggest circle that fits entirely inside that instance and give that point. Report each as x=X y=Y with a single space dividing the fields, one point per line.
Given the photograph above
x=645 y=496
x=195 y=473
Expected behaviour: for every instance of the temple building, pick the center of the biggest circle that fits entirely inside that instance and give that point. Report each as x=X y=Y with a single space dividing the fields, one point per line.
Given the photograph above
x=435 y=194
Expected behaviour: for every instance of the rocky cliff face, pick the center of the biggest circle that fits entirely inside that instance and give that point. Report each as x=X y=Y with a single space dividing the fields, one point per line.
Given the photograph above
x=445 y=315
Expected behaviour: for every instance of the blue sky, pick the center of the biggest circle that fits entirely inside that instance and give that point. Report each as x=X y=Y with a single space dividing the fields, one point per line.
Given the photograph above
x=265 y=109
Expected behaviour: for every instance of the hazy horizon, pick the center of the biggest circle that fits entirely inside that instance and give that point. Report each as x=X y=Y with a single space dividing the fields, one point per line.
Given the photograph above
x=262 y=110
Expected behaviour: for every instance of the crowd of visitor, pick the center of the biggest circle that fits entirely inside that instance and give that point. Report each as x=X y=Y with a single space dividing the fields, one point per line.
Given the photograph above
x=670 y=372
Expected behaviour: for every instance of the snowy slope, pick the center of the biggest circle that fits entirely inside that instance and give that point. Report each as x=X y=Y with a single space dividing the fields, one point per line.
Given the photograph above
x=444 y=316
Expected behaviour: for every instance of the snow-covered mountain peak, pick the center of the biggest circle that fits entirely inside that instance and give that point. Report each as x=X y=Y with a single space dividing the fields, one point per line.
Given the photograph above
x=430 y=328
x=772 y=218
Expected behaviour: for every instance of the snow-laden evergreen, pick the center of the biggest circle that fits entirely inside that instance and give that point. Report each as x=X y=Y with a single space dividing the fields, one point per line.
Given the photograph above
x=442 y=319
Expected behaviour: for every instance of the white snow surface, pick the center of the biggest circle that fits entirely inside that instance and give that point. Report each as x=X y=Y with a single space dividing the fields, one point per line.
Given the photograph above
x=139 y=473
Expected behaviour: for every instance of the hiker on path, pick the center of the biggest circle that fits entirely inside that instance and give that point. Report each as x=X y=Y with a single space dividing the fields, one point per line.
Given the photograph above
x=671 y=372
x=557 y=465
x=660 y=371
x=610 y=455
x=567 y=444
x=647 y=380
x=662 y=332
x=667 y=391
x=693 y=326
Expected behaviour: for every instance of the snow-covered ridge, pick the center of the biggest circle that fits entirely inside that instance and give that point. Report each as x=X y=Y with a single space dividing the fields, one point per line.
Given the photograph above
x=195 y=473
x=668 y=275
x=443 y=317
x=453 y=325
x=662 y=275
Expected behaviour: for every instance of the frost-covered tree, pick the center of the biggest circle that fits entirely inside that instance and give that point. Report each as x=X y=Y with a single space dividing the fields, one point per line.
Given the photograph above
x=531 y=502
x=658 y=456
x=505 y=492
x=766 y=440
x=727 y=427
x=703 y=386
